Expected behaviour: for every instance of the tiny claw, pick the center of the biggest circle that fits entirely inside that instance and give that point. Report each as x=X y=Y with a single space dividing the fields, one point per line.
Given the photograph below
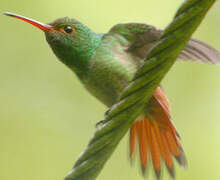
x=100 y=123
x=107 y=112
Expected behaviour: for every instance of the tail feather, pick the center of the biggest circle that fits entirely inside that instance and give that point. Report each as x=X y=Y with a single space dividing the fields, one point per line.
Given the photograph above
x=172 y=143
x=157 y=138
x=133 y=138
x=154 y=147
x=165 y=153
x=143 y=146
x=155 y=150
x=181 y=159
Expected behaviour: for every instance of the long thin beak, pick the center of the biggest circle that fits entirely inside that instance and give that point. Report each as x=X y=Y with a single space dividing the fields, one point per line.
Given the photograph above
x=39 y=25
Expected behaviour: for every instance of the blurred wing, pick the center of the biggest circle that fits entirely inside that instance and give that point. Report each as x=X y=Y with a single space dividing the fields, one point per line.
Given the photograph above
x=199 y=51
x=143 y=37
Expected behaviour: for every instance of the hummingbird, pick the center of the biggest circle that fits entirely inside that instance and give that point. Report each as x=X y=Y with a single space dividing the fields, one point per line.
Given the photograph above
x=106 y=63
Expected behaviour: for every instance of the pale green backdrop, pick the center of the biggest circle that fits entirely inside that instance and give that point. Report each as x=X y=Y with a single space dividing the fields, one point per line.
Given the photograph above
x=47 y=118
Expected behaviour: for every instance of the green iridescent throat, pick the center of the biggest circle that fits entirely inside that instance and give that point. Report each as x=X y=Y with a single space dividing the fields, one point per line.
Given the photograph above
x=75 y=49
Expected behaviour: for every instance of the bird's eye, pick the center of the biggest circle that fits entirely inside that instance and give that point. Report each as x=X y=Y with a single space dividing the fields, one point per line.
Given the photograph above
x=68 y=29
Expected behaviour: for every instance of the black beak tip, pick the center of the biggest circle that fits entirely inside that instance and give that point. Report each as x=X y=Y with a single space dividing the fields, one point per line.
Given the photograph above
x=7 y=13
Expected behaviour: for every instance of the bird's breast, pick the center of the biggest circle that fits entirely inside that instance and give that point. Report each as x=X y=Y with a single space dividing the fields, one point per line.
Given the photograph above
x=110 y=71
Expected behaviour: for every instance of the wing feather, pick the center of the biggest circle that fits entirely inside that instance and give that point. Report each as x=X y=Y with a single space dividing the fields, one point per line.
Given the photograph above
x=143 y=37
x=199 y=51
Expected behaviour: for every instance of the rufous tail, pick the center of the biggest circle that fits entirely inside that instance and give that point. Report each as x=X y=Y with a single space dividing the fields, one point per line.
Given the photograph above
x=157 y=137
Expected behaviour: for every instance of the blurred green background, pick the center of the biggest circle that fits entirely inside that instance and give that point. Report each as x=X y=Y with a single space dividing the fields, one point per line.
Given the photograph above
x=47 y=117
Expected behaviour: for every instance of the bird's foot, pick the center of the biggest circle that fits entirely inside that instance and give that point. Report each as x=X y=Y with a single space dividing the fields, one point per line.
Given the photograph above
x=100 y=124
x=107 y=112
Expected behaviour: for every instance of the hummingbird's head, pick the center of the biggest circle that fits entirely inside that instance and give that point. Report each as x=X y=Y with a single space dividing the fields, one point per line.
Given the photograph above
x=71 y=41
